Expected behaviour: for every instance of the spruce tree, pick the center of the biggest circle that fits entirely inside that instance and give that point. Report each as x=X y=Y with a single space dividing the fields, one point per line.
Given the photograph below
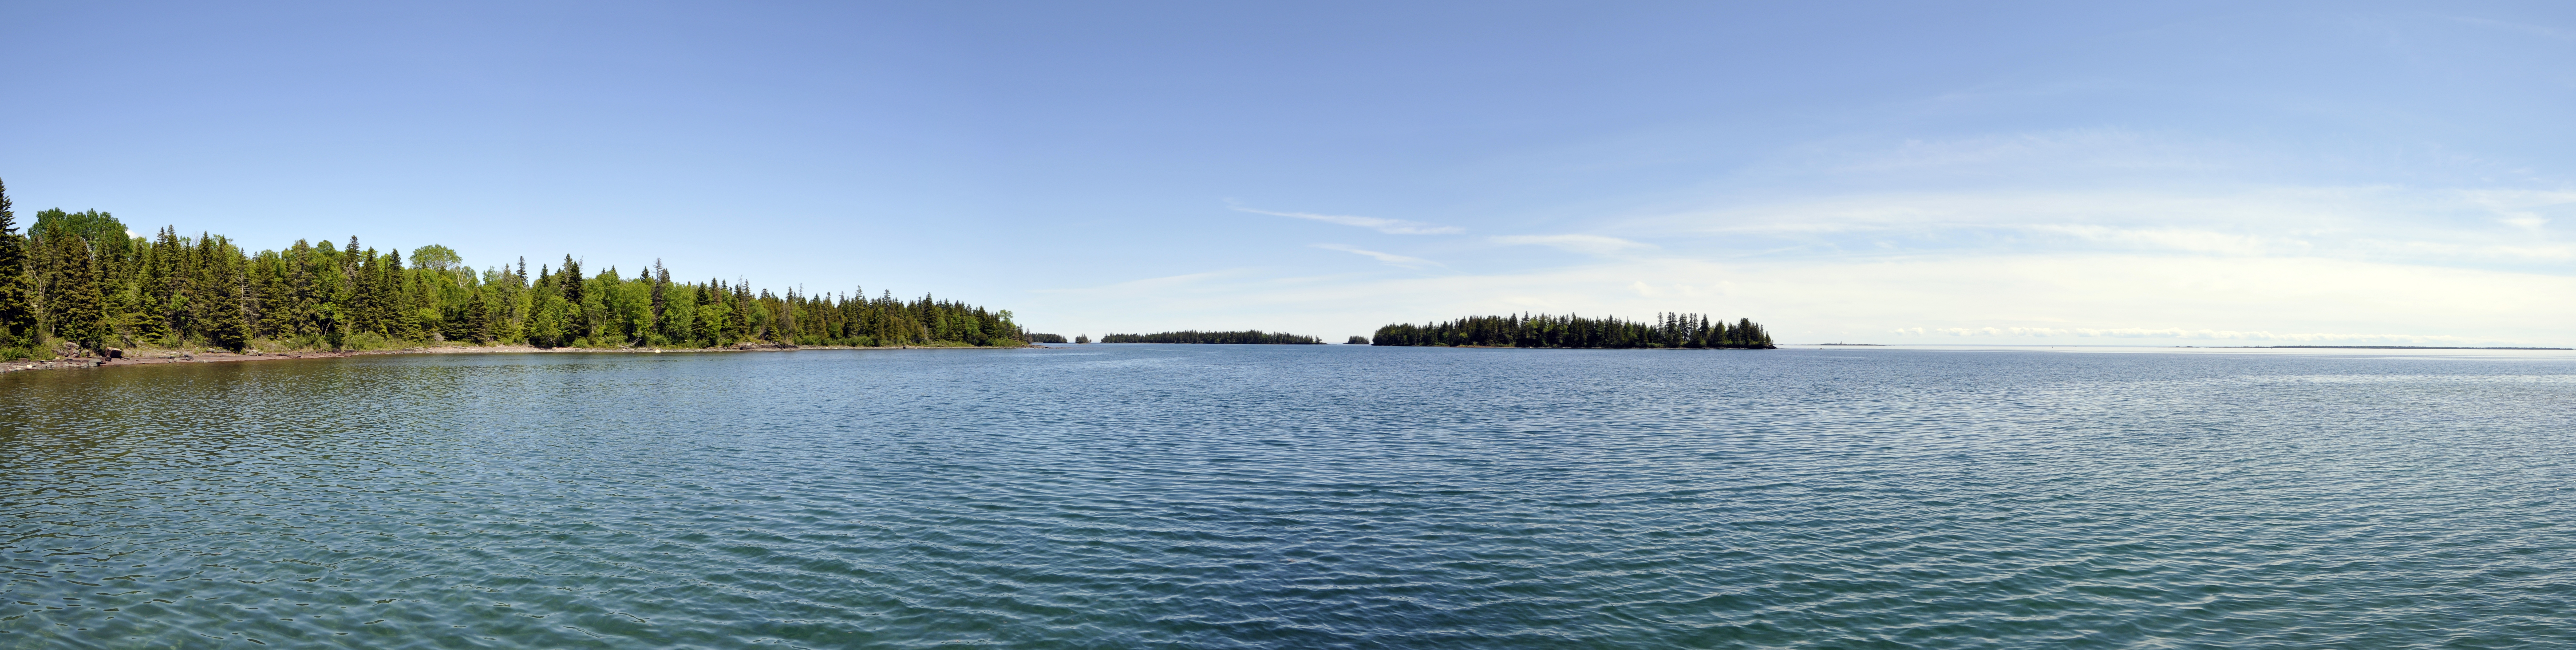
x=478 y=315
x=219 y=292
x=661 y=279
x=17 y=289
x=77 y=307
x=576 y=319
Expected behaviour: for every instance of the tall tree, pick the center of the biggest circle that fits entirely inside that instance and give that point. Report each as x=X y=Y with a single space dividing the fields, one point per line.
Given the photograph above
x=17 y=290
x=220 y=284
x=79 y=311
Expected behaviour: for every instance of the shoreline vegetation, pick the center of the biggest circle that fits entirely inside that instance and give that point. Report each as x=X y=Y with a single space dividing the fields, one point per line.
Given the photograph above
x=79 y=285
x=1245 y=337
x=1666 y=331
x=145 y=357
x=140 y=357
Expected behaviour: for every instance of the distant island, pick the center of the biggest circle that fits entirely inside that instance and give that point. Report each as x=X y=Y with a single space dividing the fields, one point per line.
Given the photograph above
x=1671 y=330
x=78 y=283
x=1245 y=337
x=2397 y=347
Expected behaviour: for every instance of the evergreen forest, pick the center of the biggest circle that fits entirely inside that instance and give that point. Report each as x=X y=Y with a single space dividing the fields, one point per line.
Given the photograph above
x=1670 y=330
x=80 y=279
x=1246 y=337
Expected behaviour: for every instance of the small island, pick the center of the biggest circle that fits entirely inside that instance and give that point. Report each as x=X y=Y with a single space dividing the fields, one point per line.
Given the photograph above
x=1668 y=330
x=1245 y=337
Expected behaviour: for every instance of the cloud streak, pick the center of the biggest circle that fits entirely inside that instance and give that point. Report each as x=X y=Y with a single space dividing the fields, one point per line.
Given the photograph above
x=1388 y=226
x=1390 y=259
x=1591 y=244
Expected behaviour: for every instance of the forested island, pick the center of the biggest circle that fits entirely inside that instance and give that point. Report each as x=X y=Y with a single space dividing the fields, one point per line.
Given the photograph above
x=1671 y=330
x=1246 y=337
x=80 y=279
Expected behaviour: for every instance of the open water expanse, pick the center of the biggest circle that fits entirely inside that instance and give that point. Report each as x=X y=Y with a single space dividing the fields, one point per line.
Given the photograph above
x=1296 y=497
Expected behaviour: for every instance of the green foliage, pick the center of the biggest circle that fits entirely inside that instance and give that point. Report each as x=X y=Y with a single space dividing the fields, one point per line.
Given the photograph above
x=17 y=289
x=72 y=293
x=1246 y=337
x=91 y=225
x=1046 y=338
x=1545 y=331
x=1081 y=339
x=1357 y=340
x=436 y=258
x=78 y=277
x=28 y=352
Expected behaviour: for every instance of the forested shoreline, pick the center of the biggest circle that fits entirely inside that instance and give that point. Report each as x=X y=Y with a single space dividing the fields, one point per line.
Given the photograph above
x=78 y=279
x=1245 y=337
x=1668 y=330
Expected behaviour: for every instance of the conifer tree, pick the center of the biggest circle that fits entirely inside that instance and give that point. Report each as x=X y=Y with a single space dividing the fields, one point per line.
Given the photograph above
x=219 y=283
x=77 y=308
x=576 y=319
x=478 y=312
x=661 y=279
x=17 y=289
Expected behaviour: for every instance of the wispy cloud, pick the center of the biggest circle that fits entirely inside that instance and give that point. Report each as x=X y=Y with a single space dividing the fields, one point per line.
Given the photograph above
x=1388 y=226
x=1390 y=259
x=2181 y=239
x=1593 y=244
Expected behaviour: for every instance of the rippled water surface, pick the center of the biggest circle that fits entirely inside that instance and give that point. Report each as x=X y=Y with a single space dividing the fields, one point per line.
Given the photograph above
x=1294 y=497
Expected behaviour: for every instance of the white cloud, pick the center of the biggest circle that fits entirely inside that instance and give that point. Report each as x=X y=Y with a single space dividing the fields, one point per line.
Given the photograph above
x=1591 y=244
x=1388 y=226
x=1390 y=259
x=2179 y=239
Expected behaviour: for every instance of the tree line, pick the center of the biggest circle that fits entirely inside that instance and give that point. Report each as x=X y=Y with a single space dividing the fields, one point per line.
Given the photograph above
x=1246 y=337
x=1668 y=330
x=80 y=278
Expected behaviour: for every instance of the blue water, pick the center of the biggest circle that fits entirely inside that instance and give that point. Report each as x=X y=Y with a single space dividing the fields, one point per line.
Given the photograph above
x=1295 y=497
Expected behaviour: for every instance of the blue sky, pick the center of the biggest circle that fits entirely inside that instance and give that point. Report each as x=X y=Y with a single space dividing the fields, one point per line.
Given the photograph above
x=2214 y=173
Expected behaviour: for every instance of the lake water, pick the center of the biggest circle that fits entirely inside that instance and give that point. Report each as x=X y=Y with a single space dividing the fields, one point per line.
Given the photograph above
x=1296 y=497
